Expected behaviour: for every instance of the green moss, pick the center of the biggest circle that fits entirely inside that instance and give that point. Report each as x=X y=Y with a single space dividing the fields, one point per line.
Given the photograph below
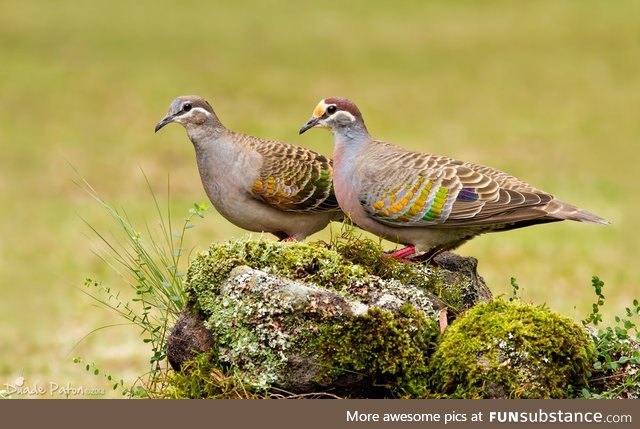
x=310 y=262
x=387 y=350
x=342 y=265
x=200 y=378
x=511 y=349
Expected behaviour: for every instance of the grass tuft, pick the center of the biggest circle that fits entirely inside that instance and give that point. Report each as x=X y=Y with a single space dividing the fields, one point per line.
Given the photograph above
x=151 y=265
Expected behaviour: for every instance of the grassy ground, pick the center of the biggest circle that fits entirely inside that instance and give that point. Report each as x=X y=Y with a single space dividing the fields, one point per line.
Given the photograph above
x=547 y=90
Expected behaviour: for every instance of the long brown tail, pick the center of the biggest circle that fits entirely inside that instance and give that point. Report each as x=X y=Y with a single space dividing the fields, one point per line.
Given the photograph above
x=569 y=212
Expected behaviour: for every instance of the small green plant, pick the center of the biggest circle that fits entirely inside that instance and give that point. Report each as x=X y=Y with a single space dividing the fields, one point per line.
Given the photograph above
x=515 y=287
x=616 y=370
x=595 y=317
x=92 y=368
x=151 y=265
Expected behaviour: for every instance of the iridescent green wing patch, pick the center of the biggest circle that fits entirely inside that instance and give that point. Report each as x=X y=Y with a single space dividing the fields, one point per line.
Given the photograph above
x=294 y=179
x=411 y=201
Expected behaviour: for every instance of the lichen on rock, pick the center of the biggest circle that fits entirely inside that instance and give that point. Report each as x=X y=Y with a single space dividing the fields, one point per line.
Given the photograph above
x=309 y=316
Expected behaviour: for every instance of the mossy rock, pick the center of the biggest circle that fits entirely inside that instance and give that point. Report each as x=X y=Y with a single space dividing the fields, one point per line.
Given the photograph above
x=305 y=317
x=511 y=350
x=343 y=318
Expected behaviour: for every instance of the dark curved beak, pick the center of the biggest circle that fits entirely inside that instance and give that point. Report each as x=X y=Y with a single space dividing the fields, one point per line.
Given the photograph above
x=165 y=121
x=312 y=123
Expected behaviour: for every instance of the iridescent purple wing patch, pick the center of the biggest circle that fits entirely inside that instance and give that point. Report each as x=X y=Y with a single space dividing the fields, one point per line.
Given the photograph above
x=467 y=194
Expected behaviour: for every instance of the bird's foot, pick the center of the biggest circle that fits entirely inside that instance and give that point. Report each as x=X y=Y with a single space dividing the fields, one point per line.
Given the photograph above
x=289 y=239
x=403 y=254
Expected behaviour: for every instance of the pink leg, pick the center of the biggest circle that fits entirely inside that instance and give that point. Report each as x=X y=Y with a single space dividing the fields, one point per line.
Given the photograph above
x=403 y=253
x=289 y=239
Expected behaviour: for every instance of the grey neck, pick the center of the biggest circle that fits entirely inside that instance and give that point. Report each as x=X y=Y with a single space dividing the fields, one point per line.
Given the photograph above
x=215 y=150
x=351 y=137
x=201 y=134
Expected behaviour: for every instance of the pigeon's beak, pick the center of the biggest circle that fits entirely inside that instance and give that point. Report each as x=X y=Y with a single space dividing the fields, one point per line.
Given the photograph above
x=312 y=123
x=167 y=120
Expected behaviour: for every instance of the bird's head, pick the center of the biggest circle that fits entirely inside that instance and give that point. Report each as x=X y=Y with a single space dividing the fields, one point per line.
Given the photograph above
x=188 y=110
x=334 y=113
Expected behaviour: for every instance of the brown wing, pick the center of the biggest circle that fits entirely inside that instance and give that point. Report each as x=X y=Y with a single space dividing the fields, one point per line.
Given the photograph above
x=416 y=189
x=293 y=178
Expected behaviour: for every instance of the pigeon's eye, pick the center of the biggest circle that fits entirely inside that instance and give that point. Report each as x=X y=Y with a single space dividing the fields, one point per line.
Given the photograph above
x=332 y=109
x=186 y=107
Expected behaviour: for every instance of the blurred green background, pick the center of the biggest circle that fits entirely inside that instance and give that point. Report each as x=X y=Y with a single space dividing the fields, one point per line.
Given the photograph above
x=547 y=90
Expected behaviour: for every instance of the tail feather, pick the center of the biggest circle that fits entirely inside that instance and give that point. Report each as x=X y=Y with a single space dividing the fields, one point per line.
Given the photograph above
x=567 y=211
